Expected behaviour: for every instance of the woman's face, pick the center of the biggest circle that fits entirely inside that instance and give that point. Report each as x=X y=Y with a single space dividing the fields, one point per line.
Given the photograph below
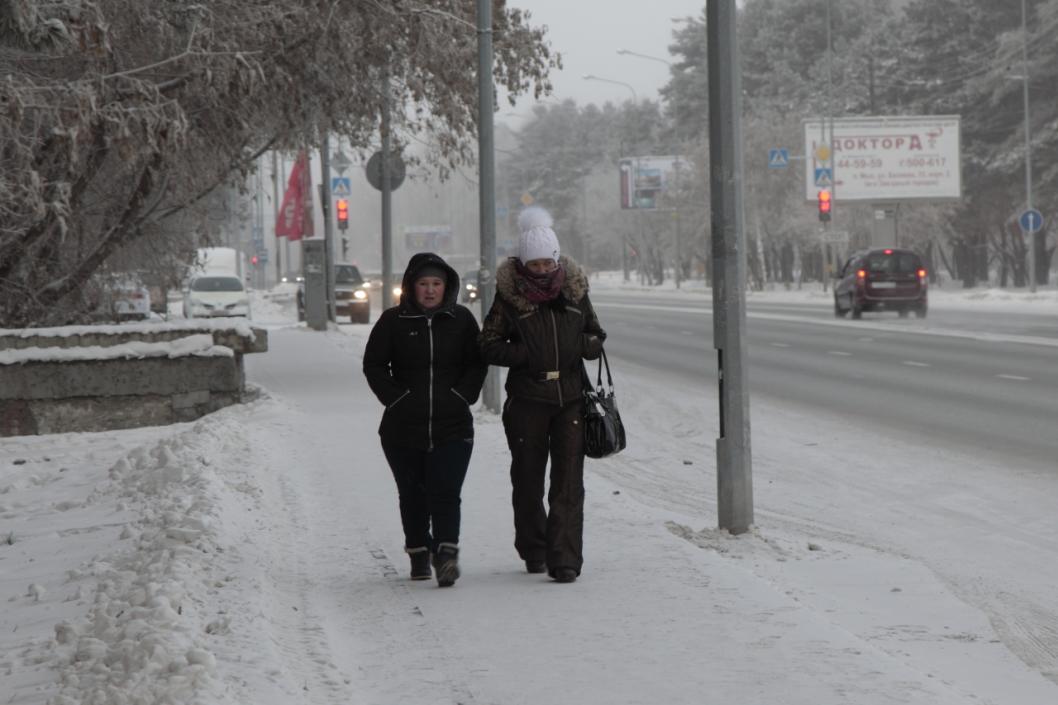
x=541 y=266
x=429 y=291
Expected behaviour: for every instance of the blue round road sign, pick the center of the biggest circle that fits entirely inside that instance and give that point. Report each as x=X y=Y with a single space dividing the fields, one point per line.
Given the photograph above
x=1030 y=221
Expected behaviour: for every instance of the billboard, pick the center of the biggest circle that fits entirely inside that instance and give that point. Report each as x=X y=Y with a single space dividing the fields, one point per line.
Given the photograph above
x=428 y=238
x=643 y=180
x=879 y=159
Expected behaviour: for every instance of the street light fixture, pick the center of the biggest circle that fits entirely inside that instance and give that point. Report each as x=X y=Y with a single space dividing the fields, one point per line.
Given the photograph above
x=593 y=77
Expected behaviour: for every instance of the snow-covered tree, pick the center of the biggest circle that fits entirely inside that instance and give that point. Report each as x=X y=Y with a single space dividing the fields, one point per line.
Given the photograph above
x=119 y=116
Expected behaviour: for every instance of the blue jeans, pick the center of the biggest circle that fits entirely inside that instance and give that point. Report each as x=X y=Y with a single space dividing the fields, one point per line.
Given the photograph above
x=429 y=483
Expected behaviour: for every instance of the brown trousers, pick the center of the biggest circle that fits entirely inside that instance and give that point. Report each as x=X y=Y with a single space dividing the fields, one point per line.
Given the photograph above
x=536 y=431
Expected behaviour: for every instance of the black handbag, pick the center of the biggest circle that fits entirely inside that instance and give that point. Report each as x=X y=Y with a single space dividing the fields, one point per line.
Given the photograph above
x=604 y=433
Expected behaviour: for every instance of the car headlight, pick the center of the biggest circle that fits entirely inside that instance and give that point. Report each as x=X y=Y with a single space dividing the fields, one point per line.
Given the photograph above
x=360 y=294
x=396 y=291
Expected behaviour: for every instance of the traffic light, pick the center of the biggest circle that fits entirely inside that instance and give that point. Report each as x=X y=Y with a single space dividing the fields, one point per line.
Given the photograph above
x=253 y=260
x=343 y=214
x=824 y=205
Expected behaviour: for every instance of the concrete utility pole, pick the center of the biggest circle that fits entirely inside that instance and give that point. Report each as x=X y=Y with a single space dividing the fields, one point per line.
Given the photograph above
x=328 y=225
x=733 y=464
x=387 y=200
x=487 y=188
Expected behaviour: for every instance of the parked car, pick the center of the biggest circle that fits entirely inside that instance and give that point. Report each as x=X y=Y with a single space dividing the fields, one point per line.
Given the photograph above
x=118 y=297
x=470 y=291
x=889 y=279
x=211 y=295
x=350 y=295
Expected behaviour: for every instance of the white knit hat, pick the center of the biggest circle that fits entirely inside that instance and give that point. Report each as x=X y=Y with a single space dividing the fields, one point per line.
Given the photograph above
x=537 y=239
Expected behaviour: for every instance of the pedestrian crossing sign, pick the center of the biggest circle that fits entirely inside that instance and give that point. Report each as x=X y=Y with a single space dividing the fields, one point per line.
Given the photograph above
x=341 y=187
x=778 y=158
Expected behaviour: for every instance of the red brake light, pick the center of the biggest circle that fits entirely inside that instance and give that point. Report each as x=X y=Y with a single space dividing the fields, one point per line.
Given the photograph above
x=921 y=273
x=888 y=252
x=861 y=273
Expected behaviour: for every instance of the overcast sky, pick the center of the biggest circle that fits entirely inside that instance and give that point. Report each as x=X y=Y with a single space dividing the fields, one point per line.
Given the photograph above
x=588 y=34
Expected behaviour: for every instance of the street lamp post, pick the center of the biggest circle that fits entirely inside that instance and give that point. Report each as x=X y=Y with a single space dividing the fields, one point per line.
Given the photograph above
x=635 y=101
x=1028 y=144
x=676 y=131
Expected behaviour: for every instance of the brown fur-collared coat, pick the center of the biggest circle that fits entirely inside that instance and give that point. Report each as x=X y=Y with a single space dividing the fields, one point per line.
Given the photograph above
x=539 y=340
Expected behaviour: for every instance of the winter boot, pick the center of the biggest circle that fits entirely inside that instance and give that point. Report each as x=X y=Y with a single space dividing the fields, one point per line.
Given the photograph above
x=535 y=566
x=446 y=564
x=420 y=562
x=564 y=575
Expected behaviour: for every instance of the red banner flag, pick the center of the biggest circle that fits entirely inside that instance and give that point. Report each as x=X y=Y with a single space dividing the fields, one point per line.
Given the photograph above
x=295 y=216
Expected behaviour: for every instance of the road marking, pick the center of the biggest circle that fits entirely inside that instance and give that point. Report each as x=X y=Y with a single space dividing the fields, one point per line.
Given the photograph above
x=912 y=363
x=839 y=353
x=780 y=345
x=1016 y=378
x=874 y=325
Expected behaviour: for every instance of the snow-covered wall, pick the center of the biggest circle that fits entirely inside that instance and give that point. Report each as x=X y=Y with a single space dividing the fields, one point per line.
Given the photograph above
x=95 y=378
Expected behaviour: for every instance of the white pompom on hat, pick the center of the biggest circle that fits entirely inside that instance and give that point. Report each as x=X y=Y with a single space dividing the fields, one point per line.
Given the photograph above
x=537 y=240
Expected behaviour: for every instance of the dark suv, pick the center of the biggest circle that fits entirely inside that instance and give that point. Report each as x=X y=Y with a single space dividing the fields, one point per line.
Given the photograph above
x=350 y=295
x=883 y=279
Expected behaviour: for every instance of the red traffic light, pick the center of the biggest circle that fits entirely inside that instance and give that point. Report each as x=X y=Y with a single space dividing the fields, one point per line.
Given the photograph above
x=824 y=204
x=342 y=206
x=253 y=260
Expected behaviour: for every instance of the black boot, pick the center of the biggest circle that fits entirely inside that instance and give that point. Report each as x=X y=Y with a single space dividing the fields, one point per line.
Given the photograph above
x=535 y=566
x=564 y=575
x=420 y=562
x=446 y=564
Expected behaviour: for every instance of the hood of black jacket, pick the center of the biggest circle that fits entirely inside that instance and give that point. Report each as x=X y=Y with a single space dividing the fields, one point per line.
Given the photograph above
x=407 y=286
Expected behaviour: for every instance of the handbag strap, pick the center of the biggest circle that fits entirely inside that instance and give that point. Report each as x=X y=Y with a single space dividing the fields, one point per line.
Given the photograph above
x=603 y=360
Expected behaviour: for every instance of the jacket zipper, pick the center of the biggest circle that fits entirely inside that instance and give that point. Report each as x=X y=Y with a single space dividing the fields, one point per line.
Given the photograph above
x=554 y=327
x=429 y=421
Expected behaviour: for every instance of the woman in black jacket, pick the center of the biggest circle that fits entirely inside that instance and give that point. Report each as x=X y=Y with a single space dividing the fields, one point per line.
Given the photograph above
x=542 y=325
x=423 y=364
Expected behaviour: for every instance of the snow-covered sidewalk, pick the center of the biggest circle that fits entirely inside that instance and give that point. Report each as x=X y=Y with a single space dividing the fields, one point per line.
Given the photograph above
x=254 y=556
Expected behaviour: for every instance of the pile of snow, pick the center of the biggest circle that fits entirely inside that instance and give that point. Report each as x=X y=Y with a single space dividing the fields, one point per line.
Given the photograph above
x=146 y=636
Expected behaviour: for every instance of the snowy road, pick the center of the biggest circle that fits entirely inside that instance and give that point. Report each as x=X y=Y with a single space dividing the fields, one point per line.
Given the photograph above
x=955 y=379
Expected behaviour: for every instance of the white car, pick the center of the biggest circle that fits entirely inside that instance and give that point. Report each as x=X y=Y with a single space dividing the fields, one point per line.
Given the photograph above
x=216 y=295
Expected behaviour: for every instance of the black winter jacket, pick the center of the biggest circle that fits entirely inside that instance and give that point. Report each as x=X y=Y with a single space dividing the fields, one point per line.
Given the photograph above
x=425 y=369
x=537 y=339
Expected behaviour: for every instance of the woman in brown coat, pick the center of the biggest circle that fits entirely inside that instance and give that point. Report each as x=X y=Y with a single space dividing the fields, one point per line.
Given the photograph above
x=542 y=326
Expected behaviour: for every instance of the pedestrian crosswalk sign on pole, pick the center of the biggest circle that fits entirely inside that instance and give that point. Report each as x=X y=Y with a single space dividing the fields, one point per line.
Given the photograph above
x=778 y=158
x=341 y=187
x=824 y=177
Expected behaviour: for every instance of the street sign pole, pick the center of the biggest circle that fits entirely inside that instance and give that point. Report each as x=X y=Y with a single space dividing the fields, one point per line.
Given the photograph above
x=387 y=201
x=487 y=188
x=328 y=225
x=733 y=458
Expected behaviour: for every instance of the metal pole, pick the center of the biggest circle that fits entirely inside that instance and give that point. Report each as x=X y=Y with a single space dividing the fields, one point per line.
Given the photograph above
x=829 y=118
x=733 y=458
x=1028 y=144
x=275 y=214
x=328 y=224
x=678 y=273
x=487 y=188
x=387 y=201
